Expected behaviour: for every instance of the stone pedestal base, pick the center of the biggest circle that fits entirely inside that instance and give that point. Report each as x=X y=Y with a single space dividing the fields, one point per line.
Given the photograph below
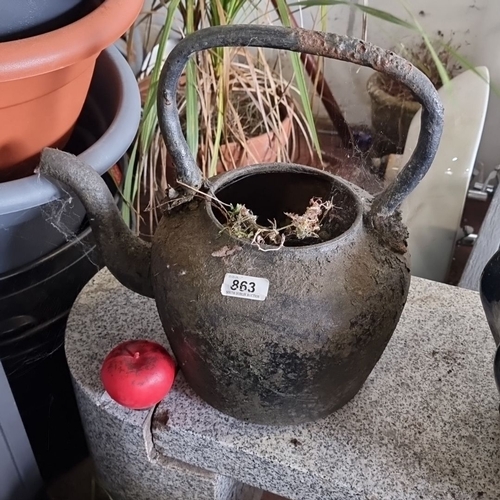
x=129 y=468
x=423 y=427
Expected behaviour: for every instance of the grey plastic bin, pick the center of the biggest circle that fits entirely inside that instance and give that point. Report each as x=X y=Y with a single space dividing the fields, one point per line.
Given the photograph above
x=30 y=208
x=23 y=18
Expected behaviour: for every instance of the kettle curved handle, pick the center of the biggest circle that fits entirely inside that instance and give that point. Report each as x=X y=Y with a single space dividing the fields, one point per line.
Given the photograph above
x=328 y=45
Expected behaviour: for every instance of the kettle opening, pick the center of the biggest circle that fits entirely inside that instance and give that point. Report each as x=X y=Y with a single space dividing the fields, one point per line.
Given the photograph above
x=273 y=191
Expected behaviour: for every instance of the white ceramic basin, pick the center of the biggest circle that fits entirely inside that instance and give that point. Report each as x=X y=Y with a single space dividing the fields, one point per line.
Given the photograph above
x=434 y=210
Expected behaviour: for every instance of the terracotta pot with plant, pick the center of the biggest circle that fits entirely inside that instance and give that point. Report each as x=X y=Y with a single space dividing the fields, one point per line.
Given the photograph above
x=44 y=79
x=249 y=122
x=236 y=105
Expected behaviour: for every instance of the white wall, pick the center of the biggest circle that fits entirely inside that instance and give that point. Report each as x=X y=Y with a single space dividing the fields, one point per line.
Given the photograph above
x=472 y=24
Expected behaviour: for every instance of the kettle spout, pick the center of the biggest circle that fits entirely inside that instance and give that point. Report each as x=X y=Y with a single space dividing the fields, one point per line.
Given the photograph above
x=126 y=256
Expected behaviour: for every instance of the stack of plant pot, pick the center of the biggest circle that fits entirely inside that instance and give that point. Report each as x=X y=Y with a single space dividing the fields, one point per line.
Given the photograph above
x=62 y=84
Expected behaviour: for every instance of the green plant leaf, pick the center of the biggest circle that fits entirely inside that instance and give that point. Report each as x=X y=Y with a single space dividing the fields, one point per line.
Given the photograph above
x=127 y=186
x=385 y=16
x=300 y=79
x=468 y=65
x=149 y=121
x=443 y=74
x=415 y=26
x=218 y=132
x=378 y=13
x=391 y=18
x=155 y=75
x=192 y=126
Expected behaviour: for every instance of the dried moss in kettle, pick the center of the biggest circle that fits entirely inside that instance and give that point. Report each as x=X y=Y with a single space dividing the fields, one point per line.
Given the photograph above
x=299 y=229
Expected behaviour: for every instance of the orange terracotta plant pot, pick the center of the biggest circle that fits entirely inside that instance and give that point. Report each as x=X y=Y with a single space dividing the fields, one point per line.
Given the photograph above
x=260 y=149
x=44 y=81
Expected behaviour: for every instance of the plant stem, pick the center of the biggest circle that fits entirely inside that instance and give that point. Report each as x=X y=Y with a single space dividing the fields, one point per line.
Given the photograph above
x=192 y=125
x=218 y=133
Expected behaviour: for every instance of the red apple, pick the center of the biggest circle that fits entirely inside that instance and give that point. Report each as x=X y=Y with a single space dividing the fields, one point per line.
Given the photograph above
x=138 y=374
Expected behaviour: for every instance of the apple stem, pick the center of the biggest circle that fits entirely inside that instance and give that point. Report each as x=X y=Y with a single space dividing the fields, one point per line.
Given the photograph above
x=134 y=354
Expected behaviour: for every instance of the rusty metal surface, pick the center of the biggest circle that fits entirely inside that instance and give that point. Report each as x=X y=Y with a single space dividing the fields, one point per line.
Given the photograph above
x=305 y=350
x=126 y=256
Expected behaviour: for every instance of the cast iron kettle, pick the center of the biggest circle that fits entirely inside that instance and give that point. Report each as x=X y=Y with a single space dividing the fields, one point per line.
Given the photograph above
x=324 y=312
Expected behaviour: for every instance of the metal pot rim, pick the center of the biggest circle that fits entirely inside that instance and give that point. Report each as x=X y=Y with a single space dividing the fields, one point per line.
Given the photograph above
x=235 y=175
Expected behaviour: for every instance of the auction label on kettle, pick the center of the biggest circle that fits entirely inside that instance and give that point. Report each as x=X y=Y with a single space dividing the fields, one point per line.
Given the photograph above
x=244 y=287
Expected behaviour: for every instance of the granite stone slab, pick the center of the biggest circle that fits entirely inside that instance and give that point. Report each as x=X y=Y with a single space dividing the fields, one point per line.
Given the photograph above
x=127 y=464
x=128 y=470
x=424 y=426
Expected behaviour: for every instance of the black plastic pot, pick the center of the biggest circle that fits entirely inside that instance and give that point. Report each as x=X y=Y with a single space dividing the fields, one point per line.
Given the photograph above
x=34 y=305
x=25 y=18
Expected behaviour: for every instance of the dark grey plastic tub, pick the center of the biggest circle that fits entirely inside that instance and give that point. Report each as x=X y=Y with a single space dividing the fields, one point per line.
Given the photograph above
x=24 y=18
x=36 y=217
